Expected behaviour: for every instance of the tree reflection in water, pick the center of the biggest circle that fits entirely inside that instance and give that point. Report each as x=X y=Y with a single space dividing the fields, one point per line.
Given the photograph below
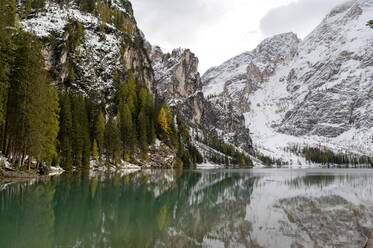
x=170 y=208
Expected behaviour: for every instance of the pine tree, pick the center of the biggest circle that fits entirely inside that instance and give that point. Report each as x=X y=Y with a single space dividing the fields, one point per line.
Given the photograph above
x=128 y=114
x=87 y=5
x=151 y=131
x=127 y=93
x=65 y=133
x=143 y=134
x=147 y=105
x=370 y=24
x=44 y=126
x=32 y=113
x=99 y=132
x=85 y=134
x=38 y=4
x=80 y=132
x=127 y=131
x=95 y=153
x=7 y=28
x=112 y=140
x=173 y=141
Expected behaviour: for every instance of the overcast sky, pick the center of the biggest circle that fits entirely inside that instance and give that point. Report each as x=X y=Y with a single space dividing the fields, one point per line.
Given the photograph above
x=216 y=30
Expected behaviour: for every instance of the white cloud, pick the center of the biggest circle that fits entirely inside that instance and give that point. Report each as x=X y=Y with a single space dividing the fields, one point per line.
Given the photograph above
x=216 y=30
x=299 y=17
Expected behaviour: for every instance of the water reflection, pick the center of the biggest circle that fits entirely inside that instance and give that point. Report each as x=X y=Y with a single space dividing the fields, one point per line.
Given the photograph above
x=220 y=208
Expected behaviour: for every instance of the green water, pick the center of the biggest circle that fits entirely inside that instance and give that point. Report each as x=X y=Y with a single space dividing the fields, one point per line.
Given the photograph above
x=167 y=208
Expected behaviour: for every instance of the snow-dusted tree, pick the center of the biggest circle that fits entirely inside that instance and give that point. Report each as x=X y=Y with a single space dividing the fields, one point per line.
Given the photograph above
x=370 y=24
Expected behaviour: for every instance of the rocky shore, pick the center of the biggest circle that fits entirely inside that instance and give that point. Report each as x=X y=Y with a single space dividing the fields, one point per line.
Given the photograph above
x=7 y=173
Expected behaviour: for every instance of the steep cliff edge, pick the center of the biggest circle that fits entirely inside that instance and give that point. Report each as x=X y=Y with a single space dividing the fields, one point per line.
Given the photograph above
x=316 y=92
x=178 y=81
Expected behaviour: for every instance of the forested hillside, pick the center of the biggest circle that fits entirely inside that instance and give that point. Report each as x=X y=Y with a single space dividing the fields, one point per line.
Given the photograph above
x=51 y=113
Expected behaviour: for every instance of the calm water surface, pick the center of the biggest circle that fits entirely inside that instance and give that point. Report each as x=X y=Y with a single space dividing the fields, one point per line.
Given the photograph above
x=167 y=208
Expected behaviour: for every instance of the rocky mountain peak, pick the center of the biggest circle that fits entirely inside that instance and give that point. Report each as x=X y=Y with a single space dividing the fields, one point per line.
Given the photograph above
x=340 y=9
x=176 y=73
x=246 y=70
x=304 y=92
x=278 y=48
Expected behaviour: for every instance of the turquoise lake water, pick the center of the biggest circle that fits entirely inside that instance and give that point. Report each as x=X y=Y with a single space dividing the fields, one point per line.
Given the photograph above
x=190 y=208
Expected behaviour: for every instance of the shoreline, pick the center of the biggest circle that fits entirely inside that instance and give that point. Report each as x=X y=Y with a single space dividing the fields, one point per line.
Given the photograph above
x=9 y=174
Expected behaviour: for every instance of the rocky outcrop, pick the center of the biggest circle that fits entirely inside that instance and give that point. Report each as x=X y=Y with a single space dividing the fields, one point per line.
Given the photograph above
x=162 y=156
x=331 y=85
x=176 y=74
x=6 y=173
x=178 y=81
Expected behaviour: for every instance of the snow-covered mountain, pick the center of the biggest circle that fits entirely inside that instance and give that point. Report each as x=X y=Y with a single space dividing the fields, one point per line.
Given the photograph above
x=318 y=91
x=286 y=91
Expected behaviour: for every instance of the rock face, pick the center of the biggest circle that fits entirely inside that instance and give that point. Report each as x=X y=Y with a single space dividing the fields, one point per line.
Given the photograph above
x=162 y=156
x=178 y=81
x=84 y=55
x=176 y=74
x=315 y=91
x=247 y=71
x=332 y=82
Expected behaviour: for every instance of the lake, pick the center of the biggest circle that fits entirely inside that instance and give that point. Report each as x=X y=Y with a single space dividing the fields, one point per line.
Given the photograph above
x=190 y=208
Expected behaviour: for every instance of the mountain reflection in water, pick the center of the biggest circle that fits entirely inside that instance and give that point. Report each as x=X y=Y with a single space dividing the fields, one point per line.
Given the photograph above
x=190 y=208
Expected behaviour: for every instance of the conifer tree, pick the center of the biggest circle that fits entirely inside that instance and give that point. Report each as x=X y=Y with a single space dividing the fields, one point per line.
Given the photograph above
x=112 y=141
x=44 y=124
x=38 y=4
x=370 y=24
x=32 y=104
x=126 y=129
x=171 y=126
x=143 y=134
x=95 y=153
x=87 y=5
x=147 y=105
x=65 y=133
x=7 y=26
x=80 y=132
x=99 y=132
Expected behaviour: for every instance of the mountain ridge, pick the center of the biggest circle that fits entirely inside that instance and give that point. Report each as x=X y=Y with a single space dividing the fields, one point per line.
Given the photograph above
x=278 y=106
x=286 y=92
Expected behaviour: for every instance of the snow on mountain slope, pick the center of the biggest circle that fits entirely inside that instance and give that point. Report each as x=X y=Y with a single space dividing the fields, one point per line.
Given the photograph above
x=263 y=61
x=317 y=92
x=103 y=49
x=331 y=80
